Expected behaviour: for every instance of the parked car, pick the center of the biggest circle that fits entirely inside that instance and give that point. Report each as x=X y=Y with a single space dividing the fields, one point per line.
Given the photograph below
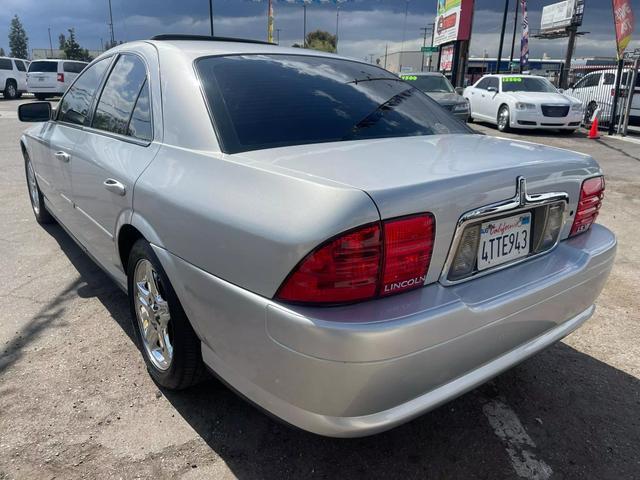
x=50 y=78
x=319 y=234
x=438 y=87
x=597 y=89
x=523 y=101
x=13 y=77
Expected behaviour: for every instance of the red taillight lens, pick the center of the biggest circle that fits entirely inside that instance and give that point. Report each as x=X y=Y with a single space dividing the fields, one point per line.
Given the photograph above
x=408 y=243
x=363 y=263
x=591 y=195
x=341 y=270
x=61 y=77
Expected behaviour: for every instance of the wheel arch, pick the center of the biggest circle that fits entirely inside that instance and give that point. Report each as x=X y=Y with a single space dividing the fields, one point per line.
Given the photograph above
x=129 y=231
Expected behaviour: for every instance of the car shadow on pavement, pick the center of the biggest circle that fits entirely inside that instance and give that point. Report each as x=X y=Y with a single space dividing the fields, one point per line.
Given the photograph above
x=580 y=413
x=493 y=130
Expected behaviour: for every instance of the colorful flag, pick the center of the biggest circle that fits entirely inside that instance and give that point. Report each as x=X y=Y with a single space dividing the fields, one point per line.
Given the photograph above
x=524 y=40
x=623 y=19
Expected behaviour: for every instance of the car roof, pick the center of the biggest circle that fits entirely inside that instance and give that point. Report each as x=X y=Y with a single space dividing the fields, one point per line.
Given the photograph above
x=423 y=74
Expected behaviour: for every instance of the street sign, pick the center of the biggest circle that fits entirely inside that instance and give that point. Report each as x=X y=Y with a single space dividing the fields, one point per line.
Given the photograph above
x=429 y=49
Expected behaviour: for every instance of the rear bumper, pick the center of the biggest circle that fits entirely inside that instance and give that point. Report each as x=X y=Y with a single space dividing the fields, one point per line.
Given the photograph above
x=360 y=369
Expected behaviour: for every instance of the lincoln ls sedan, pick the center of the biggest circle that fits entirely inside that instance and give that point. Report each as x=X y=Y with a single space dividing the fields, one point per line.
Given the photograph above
x=313 y=230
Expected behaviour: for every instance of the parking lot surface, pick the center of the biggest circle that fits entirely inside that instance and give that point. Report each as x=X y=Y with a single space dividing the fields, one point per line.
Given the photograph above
x=76 y=401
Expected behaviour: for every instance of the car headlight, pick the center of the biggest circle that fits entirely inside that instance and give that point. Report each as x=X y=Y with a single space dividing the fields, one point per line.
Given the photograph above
x=525 y=106
x=461 y=107
x=576 y=107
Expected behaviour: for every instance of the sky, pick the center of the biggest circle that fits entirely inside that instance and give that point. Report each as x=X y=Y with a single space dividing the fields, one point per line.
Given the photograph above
x=365 y=26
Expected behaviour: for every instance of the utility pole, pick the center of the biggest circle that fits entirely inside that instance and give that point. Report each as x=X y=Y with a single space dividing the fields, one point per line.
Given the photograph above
x=304 y=26
x=404 y=30
x=371 y=58
x=386 y=49
x=513 y=39
x=50 y=43
x=564 y=74
x=337 y=23
x=504 y=24
x=433 y=31
x=113 y=41
x=424 y=44
x=278 y=36
x=210 y=15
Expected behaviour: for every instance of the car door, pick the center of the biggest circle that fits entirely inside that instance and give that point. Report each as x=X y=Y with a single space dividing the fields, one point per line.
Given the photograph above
x=57 y=138
x=111 y=155
x=476 y=94
x=490 y=102
x=21 y=75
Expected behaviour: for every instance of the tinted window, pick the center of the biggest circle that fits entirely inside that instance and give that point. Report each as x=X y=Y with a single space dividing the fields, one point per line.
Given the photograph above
x=527 y=84
x=73 y=67
x=5 y=64
x=609 y=78
x=75 y=105
x=483 y=84
x=429 y=83
x=494 y=83
x=120 y=94
x=592 y=80
x=140 y=124
x=43 y=66
x=266 y=101
x=20 y=65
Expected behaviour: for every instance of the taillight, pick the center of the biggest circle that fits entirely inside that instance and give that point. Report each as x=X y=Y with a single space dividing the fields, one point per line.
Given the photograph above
x=591 y=195
x=61 y=77
x=378 y=259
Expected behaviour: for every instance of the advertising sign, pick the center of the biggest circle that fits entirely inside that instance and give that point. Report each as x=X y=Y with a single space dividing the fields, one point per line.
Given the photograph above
x=446 y=58
x=453 y=21
x=557 y=16
x=623 y=19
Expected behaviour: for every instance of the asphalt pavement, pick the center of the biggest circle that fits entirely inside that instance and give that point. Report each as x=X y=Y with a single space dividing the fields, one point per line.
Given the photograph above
x=76 y=401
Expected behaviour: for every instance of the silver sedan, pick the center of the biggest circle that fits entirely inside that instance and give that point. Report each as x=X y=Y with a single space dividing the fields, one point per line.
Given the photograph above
x=312 y=229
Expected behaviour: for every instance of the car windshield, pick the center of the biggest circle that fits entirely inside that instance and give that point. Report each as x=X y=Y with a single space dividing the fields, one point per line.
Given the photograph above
x=43 y=66
x=429 y=83
x=527 y=84
x=267 y=101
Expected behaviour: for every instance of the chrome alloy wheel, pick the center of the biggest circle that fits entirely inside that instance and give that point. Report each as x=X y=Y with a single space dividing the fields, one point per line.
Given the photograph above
x=503 y=118
x=33 y=188
x=152 y=312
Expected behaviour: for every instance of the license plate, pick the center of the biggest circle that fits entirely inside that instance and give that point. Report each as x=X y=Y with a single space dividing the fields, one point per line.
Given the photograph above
x=504 y=240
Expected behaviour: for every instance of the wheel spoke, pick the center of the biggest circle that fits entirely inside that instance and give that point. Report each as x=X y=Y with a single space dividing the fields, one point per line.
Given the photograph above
x=143 y=293
x=151 y=336
x=162 y=313
x=151 y=279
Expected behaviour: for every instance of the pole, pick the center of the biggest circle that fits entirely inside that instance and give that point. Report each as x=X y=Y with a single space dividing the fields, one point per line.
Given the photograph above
x=111 y=25
x=630 y=92
x=278 y=36
x=616 y=97
x=424 y=44
x=433 y=28
x=386 y=48
x=337 y=23
x=564 y=74
x=515 y=27
x=270 y=22
x=371 y=58
x=51 y=44
x=404 y=31
x=210 y=15
x=304 y=26
x=504 y=25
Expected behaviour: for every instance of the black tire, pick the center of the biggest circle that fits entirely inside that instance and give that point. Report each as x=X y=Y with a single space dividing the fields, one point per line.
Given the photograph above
x=470 y=119
x=36 y=198
x=567 y=131
x=186 y=367
x=41 y=96
x=588 y=113
x=504 y=127
x=19 y=95
x=10 y=90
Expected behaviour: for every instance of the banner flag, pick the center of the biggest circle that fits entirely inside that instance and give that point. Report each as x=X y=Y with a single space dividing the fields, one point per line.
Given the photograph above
x=623 y=19
x=524 y=40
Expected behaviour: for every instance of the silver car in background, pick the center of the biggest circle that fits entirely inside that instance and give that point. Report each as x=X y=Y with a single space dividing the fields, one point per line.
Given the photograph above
x=317 y=233
x=438 y=87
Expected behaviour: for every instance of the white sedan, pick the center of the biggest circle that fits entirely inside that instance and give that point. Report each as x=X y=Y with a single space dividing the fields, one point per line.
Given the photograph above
x=523 y=101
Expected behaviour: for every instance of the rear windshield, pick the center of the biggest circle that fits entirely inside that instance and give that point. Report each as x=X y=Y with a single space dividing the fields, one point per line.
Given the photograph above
x=429 y=83
x=73 y=67
x=43 y=66
x=527 y=84
x=266 y=101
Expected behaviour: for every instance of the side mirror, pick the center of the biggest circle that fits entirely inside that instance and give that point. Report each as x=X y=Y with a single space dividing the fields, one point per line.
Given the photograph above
x=34 y=112
x=492 y=89
x=459 y=90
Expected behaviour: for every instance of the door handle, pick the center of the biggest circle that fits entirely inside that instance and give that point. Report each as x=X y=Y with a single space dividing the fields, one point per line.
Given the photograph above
x=114 y=186
x=63 y=156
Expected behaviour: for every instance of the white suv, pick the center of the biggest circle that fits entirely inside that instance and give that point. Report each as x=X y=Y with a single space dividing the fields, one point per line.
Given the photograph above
x=13 y=77
x=48 y=78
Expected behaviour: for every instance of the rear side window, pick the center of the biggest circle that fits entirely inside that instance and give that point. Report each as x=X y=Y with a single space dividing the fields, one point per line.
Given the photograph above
x=120 y=94
x=75 y=105
x=140 y=124
x=20 y=65
x=43 y=67
x=5 y=64
x=267 y=101
x=73 y=67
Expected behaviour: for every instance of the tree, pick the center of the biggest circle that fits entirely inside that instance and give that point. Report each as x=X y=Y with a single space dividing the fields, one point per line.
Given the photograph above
x=72 y=49
x=321 y=40
x=2 y=52
x=18 y=40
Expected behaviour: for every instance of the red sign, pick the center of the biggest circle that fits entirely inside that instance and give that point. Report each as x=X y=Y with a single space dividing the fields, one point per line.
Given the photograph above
x=623 y=19
x=446 y=58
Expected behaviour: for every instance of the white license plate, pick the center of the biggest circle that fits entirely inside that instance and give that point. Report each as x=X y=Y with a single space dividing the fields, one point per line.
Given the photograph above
x=504 y=240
